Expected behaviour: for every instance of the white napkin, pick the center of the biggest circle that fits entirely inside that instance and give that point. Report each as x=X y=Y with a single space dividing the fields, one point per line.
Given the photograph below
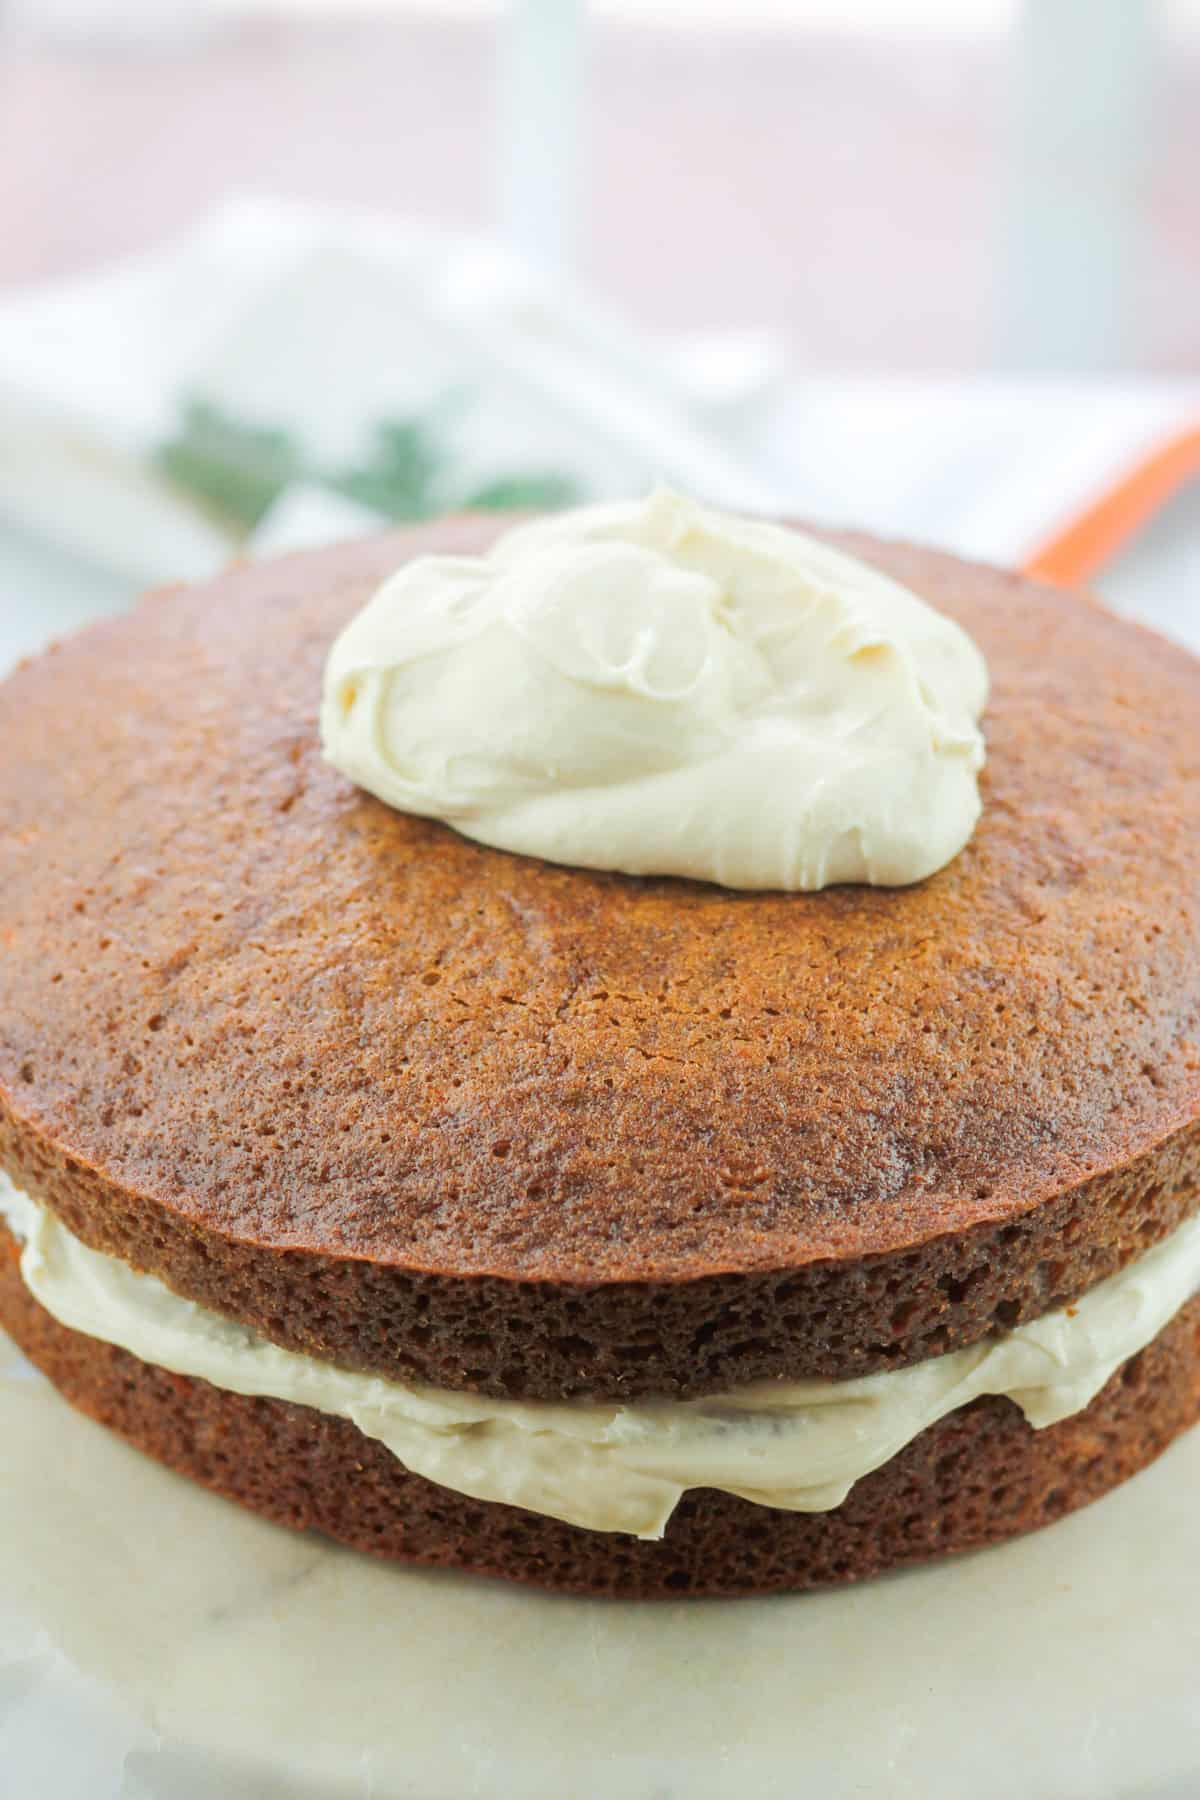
x=325 y=350
x=324 y=369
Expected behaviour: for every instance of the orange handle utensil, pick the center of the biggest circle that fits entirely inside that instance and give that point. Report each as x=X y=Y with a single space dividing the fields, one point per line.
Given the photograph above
x=1074 y=554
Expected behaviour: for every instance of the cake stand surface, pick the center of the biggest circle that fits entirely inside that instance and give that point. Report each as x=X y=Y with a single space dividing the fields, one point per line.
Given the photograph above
x=159 y=1644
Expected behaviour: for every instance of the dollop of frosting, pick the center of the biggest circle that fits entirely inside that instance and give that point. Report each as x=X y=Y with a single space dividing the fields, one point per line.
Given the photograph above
x=797 y=1445
x=663 y=689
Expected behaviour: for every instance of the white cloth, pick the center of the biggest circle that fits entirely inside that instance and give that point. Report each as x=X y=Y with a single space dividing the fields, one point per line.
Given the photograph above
x=324 y=326
x=327 y=326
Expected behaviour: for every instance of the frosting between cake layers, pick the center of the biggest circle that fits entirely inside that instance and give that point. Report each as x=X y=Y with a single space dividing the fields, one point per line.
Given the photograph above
x=660 y=688
x=799 y=1446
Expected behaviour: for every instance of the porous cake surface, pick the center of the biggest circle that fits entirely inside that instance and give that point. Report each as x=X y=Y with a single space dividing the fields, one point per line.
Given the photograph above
x=422 y=1106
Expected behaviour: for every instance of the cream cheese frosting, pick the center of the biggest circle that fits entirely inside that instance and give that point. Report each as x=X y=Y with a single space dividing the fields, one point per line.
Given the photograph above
x=660 y=688
x=799 y=1446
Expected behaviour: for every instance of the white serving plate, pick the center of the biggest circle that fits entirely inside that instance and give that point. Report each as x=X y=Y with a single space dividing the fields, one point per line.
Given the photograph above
x=157 y=1643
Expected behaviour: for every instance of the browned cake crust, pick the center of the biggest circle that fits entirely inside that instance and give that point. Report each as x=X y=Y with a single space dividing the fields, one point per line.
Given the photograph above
x=424 y=1107
x=979 y=1476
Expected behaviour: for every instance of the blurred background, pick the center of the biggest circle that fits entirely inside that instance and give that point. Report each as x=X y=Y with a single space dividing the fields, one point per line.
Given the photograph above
x=272 y=271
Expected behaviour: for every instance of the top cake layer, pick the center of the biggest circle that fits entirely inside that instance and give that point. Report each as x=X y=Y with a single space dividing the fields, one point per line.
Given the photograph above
x=430 y=1108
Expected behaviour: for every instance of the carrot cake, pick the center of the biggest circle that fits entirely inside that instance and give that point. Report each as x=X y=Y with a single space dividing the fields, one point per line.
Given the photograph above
x=775 y=1161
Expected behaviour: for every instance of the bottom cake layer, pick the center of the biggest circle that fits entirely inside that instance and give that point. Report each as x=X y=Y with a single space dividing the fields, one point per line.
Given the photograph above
x=979 y=1476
